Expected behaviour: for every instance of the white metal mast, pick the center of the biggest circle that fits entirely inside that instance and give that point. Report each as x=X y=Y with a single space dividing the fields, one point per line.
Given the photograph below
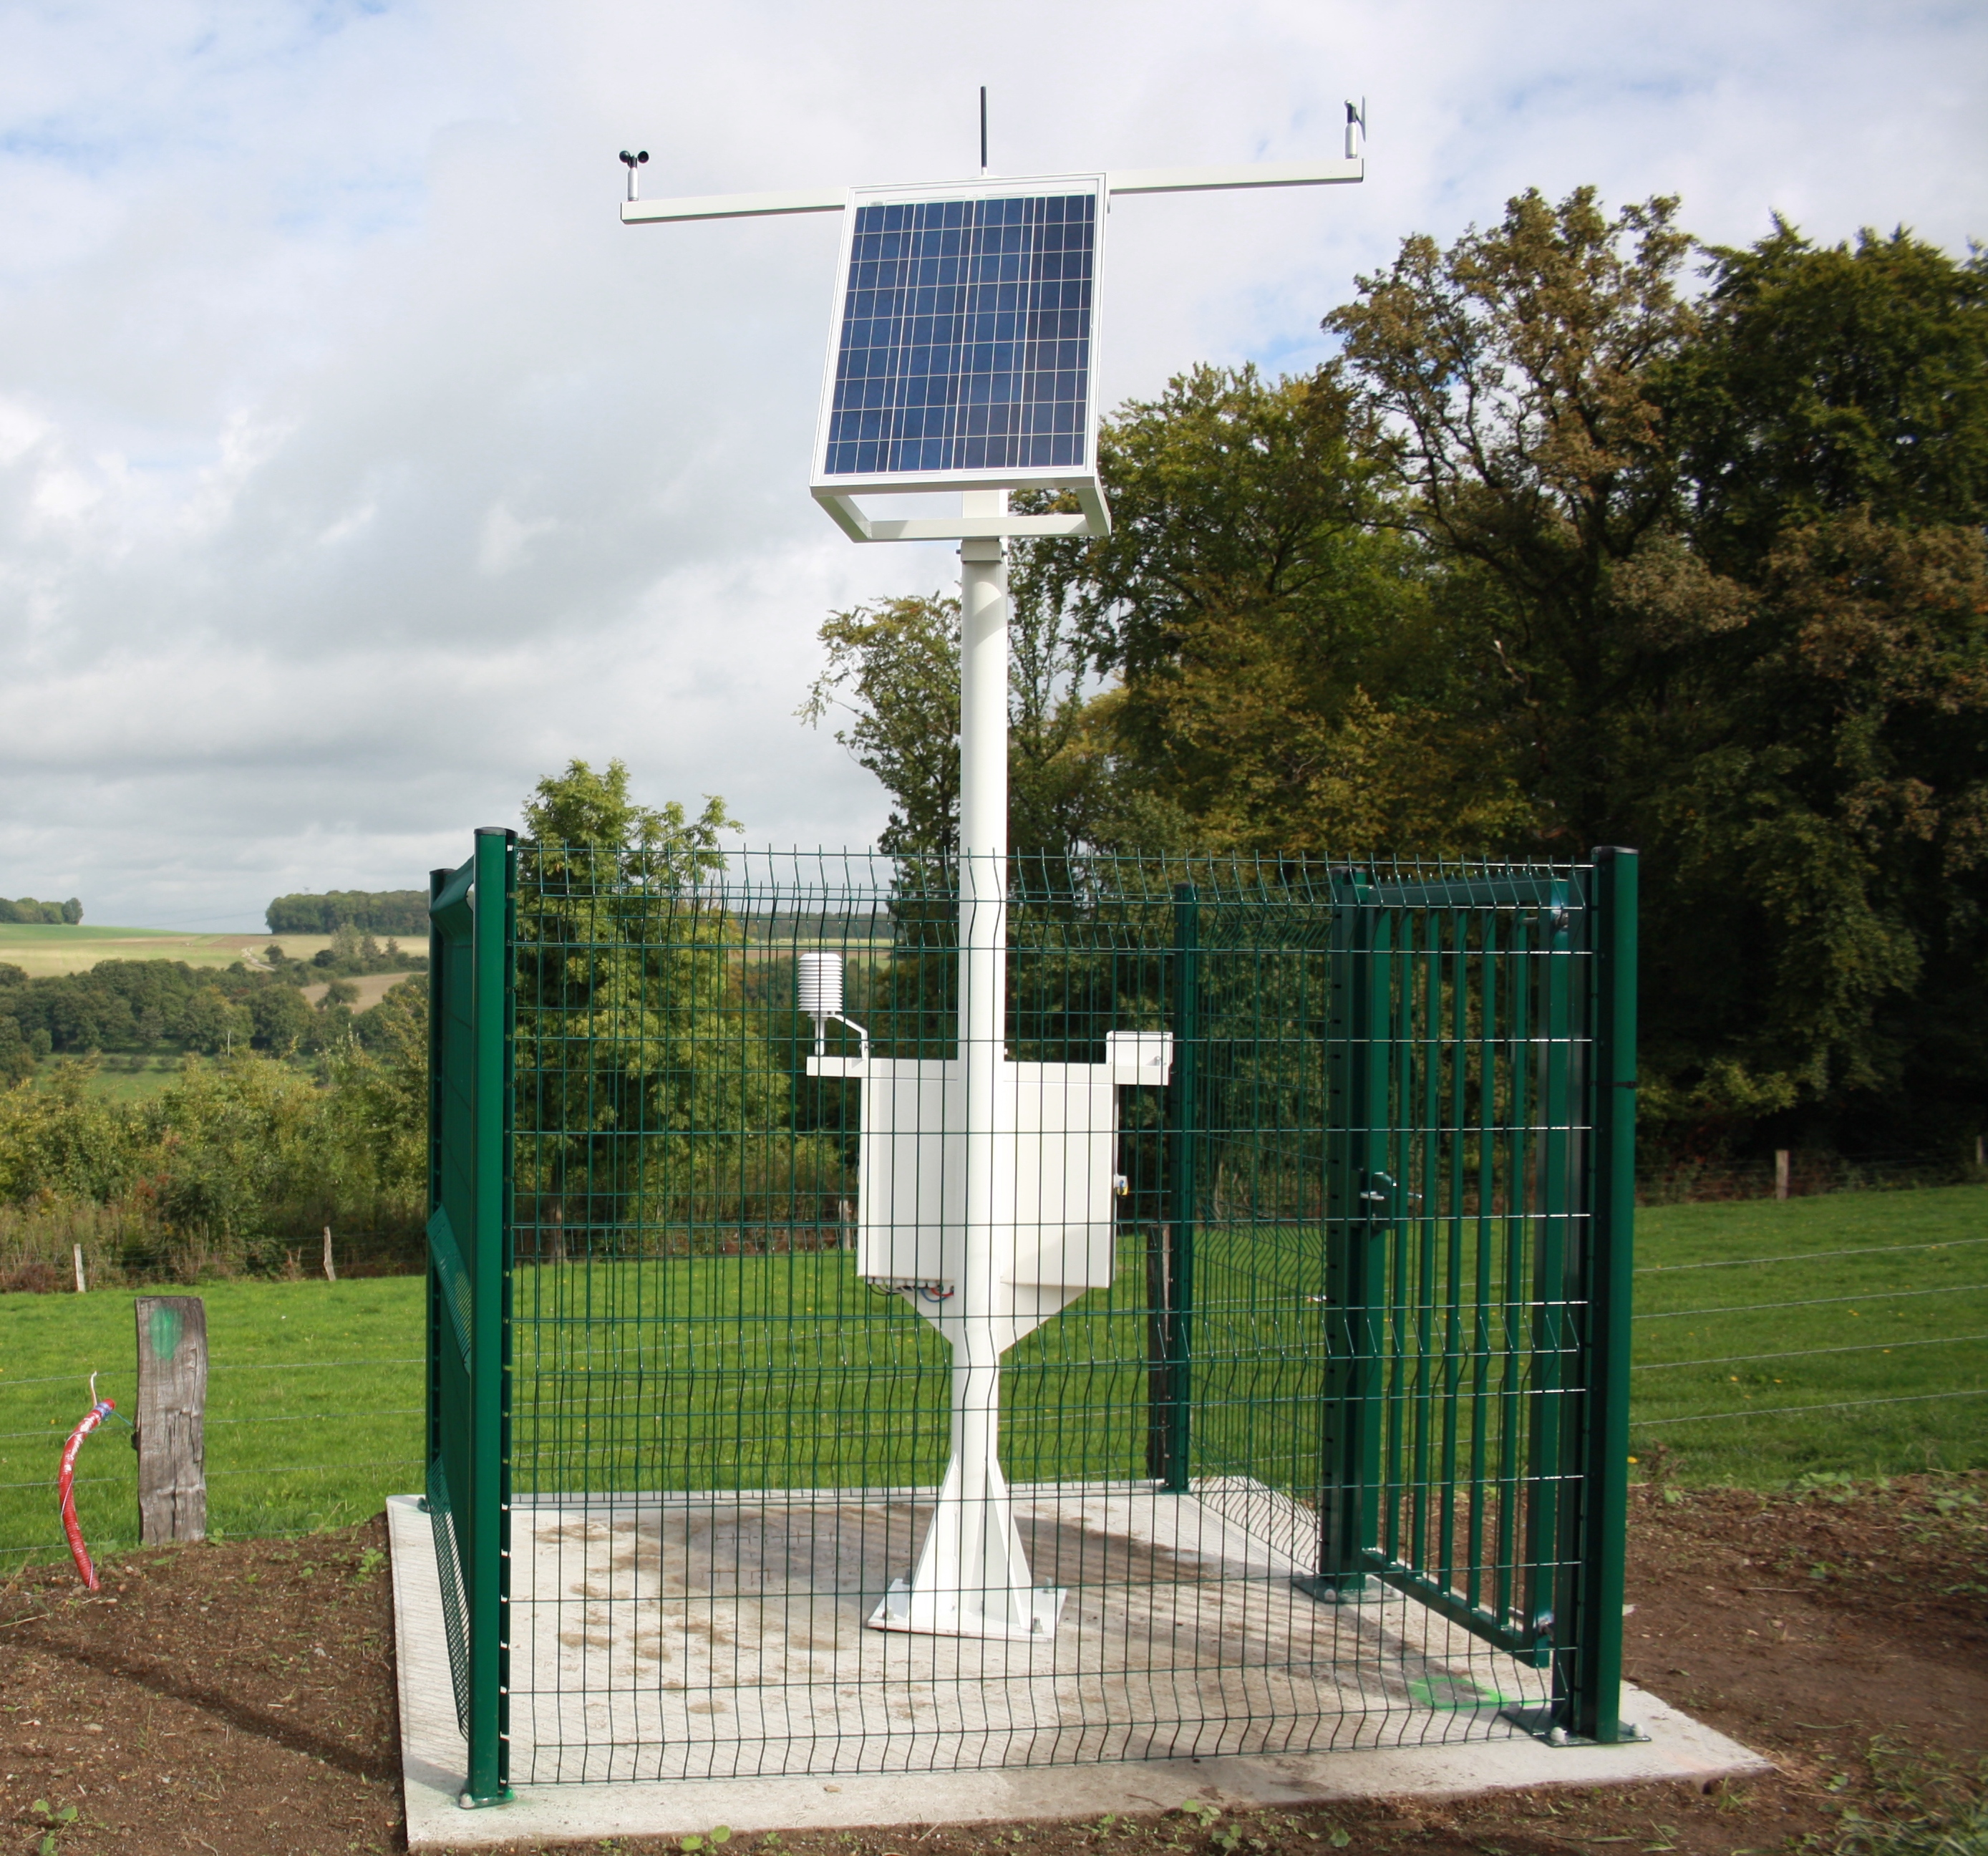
x=972 y=1576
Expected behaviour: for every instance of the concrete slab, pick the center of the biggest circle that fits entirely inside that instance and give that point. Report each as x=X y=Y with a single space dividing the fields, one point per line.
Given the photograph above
x=721 y=1636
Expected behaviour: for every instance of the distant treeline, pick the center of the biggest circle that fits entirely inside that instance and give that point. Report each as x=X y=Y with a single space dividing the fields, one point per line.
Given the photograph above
x=374 y=911
x=144 y=1005
x=25 y=909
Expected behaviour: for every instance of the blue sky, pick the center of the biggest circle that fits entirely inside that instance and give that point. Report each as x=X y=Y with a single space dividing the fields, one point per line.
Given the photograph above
x=357 y=467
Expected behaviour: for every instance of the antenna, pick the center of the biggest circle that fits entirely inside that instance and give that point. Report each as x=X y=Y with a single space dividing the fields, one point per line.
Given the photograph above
x=983 y=128
x=631 y=162
x=1356 y=128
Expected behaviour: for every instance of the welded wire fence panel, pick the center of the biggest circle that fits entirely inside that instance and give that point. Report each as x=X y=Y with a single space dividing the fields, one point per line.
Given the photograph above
x=1285 y=1215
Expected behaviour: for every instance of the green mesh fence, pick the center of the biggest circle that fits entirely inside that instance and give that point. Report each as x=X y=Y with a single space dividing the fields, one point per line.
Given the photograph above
x=1311 y=1237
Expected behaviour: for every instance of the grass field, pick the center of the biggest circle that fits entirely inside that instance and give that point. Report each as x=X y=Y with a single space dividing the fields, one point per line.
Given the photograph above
x=1907 y=1321
x=312 y=1406
x=313 y=1413
x=39 y=948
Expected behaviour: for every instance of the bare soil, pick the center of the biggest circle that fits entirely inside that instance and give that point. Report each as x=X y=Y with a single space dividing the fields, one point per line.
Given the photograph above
x=239 y=1698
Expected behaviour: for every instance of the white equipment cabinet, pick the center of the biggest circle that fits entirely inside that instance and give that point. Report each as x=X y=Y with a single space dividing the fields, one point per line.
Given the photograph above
x=1053 y=1172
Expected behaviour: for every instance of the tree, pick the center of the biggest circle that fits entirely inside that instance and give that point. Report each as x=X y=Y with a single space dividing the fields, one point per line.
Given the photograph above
x=282 y=1021
x=894 y=666
x=1827 y=379
x=585 y=810
x=659 y=1101
x=1704 y=541
x=1286 y=671
x=1514 y=374
x=377 y=911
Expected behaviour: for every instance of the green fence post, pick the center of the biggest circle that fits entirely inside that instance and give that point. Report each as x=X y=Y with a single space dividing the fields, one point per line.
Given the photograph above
x=485 y=1580
x=1183 y=1107
x=1595 y=1684
x=1361 y=1209
x=438 y=880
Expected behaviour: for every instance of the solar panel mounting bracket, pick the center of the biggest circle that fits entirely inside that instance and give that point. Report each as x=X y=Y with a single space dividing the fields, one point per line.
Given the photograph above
x=1093 y=517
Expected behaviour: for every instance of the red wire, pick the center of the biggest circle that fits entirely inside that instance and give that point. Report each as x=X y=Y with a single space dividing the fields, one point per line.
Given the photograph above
x=65 y=1483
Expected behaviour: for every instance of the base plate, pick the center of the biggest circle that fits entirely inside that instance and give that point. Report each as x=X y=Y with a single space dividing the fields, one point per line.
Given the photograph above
x=1046 y=1607
x=1327 y=1591
x=1539 y=1722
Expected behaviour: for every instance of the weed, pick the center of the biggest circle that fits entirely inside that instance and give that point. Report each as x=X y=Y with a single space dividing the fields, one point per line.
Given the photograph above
x=1925 y=1806
x=717 y=1833
x=53 y=1823
x=369 y=1563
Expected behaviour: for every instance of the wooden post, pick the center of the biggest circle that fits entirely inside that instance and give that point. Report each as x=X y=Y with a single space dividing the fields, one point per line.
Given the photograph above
x=1780 y=1172
x=330 y=1270
x=172 y=1411
x=82 y=1287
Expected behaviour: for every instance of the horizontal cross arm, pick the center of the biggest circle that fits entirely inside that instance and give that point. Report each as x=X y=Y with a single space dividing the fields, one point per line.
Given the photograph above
x=733 y=206
x=1126 y=181
x=1252 y=174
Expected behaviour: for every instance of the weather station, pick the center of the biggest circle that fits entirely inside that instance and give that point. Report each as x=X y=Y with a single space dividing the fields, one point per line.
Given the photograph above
x=1266 y=1221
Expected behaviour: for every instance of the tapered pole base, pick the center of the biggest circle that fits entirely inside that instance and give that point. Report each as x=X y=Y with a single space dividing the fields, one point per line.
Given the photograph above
x=972 y=1576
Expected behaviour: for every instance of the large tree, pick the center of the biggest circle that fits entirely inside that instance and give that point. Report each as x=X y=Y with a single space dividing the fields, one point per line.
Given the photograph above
x=1709 y=545
x=1512 y=376
x=1286 y=680
x=1827 y=379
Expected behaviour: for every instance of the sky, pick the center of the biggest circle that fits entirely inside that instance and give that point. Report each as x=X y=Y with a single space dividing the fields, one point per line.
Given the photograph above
x=358 y=467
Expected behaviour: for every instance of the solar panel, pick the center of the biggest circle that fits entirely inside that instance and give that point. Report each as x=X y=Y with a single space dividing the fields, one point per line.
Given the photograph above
x=964 y=342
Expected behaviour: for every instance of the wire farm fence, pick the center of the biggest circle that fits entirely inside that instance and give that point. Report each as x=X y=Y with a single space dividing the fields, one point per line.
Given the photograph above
x=1840 y=1339
x=1302 y=1348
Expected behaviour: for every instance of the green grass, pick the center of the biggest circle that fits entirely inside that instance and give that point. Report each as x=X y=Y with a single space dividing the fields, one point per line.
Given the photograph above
x=1900 y=1323
x=297 y=1438
x=785 y=1372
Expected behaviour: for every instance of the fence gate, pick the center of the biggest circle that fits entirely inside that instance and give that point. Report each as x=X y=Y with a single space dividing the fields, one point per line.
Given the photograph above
x=1328 y=1446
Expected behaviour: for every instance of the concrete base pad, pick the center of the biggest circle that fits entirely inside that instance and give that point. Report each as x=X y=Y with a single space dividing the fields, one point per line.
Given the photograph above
x=432 y=1764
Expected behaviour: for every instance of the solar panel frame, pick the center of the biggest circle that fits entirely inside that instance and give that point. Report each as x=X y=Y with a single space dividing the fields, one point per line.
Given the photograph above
x=1080 y=471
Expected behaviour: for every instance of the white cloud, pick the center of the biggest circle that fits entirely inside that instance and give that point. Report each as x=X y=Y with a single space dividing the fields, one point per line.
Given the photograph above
x=357 y=466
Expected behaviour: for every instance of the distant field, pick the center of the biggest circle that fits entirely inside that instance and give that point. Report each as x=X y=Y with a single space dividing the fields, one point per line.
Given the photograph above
x=130 y=1078
x=39 y=948
x=371 y=988
x=751 y=1367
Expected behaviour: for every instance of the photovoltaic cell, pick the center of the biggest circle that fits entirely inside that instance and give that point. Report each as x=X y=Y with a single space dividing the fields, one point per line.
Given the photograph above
x=965 y=339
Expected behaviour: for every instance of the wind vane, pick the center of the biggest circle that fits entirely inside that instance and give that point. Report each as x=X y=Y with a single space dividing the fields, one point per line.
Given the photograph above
x=963 y=359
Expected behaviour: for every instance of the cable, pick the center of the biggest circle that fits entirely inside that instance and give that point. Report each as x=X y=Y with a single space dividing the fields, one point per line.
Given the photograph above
x=1848 y=1404
x=1804 y=1256
x=298 y=1418
x=278 y=1366
x=1868 y=1346
x=1748 y=1308
x=309 y=1417
x=305 y=1469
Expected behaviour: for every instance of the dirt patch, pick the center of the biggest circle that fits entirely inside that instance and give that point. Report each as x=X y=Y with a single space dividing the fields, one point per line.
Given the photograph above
x=239 y=1698
x=234 y=1699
